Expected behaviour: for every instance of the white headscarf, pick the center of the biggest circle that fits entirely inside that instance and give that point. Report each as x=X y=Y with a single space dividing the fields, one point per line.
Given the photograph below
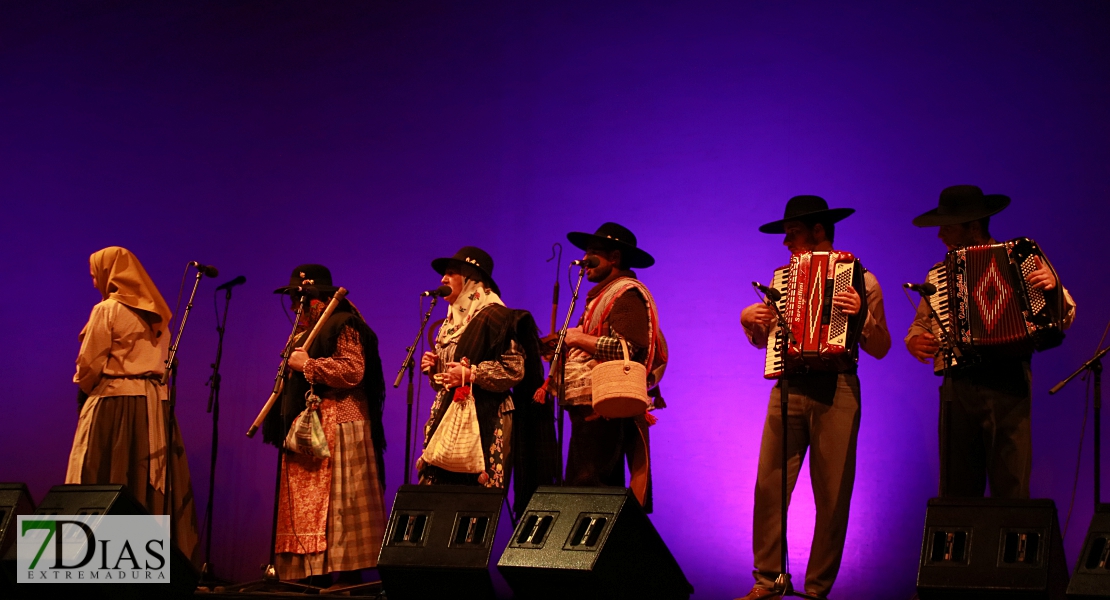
x=472 y=299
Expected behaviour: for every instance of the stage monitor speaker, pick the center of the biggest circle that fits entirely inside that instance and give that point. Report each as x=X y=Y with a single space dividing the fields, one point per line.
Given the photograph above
x=576 y=542
x=15 y=500
x=438 y=542
x=991 y=548
x=1091 y=579
x=108 y=499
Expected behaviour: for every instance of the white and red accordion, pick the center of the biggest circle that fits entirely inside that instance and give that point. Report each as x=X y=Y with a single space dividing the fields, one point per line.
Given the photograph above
x=987 y=306
x=822 y=338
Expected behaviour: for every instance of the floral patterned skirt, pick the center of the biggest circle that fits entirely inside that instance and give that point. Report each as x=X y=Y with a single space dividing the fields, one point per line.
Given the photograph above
x=331 y=513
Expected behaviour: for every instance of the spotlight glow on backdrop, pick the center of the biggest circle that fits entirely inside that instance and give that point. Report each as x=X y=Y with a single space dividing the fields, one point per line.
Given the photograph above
x=374 y=137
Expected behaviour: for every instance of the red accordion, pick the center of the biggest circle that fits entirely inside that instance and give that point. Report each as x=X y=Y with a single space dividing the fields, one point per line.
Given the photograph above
x=986 y=305
x=822 y=337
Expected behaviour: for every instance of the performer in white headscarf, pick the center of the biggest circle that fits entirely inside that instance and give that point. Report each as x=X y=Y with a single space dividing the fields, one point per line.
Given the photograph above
x=491 y=352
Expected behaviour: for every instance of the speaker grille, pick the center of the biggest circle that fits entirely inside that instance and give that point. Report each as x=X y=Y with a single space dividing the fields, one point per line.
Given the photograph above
x=407 y=528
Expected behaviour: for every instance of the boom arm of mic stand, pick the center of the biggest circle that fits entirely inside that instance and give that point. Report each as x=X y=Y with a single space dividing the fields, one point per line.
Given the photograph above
x=950 y=349
x=778 y=315
x=407 y=365
x=416 y=342
x=170 y=360
x=560 y=345
x=1087 y=365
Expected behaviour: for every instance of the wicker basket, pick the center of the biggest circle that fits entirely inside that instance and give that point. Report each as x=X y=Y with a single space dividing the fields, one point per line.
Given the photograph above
x=620 y=387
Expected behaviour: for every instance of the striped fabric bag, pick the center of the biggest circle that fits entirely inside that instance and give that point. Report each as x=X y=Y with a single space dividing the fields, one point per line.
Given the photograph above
x=456 y=445
x=306 y=435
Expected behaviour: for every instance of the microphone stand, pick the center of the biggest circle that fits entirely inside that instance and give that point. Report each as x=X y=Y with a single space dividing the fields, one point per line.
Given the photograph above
x=952 y=355
x=170 y=377
x=408 y=365
x=559 y=362
x=783 y=587
x=1095 y=367
x=214 y=408
x=554 y=315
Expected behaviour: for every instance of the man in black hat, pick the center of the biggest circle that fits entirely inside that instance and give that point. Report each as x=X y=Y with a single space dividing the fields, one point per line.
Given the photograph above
x=618 y=307
x=988 y=403
x=823 y=414
x=331 y=512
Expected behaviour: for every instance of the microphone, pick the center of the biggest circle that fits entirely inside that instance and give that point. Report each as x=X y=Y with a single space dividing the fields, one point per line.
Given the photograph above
x=240 y=280
x=925 y=289
x=439 y=292
x=590 y=262
x=307 y=291
x=208 y=270
x=771 y=293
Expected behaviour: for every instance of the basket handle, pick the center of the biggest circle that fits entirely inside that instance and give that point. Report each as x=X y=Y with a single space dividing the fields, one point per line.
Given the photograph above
x=624 y=351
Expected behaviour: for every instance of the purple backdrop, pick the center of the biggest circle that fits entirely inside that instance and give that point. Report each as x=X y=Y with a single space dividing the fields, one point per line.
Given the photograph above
x=373 y=137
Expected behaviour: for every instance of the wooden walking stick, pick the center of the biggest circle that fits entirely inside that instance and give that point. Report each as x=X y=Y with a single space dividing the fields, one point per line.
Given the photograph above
x=280 y=384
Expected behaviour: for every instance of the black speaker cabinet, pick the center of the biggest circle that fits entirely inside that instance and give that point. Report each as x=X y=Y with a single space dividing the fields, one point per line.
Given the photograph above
x=15 y=500
x=589 y=543
x=988 y=548
x=99 y=500
x=1091 y=579
x=438 y=542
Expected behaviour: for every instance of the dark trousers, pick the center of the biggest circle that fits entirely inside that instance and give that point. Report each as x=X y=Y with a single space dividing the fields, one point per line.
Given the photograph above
x=823 y=415
x=597 y=449
x=989 y=437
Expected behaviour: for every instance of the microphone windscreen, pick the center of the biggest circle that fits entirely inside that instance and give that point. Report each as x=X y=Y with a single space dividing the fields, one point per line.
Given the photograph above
x=211 y=271
x=443 y=291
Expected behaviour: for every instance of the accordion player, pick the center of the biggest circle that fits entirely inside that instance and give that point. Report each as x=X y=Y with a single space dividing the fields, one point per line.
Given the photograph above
x=819 y=336
x=987 y=306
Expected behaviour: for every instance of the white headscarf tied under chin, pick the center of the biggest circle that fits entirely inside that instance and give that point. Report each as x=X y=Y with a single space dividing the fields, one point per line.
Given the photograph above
x=472 y=299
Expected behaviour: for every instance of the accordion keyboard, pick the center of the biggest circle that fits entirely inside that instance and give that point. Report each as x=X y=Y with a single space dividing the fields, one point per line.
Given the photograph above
x=938 y=276
x=773 y=365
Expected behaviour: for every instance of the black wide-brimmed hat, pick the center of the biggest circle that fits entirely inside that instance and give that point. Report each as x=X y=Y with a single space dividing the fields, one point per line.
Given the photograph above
x=313 y=276
x=473 y=256
x=962 y=204
x=614 y=237
x=806 y=208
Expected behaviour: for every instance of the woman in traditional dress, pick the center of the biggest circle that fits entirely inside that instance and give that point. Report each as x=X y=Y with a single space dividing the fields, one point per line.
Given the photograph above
x=121 y=431
x=491 y=352
x=331 y=511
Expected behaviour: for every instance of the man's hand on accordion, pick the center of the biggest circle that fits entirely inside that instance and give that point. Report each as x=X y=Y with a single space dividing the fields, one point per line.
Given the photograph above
x=757 y=315
x=923 y=347
x=1041 y=278
x=847 y=301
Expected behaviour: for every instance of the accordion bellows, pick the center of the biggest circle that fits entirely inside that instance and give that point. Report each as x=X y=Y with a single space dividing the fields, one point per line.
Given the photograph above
x=986 y=305
x=820 y=337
